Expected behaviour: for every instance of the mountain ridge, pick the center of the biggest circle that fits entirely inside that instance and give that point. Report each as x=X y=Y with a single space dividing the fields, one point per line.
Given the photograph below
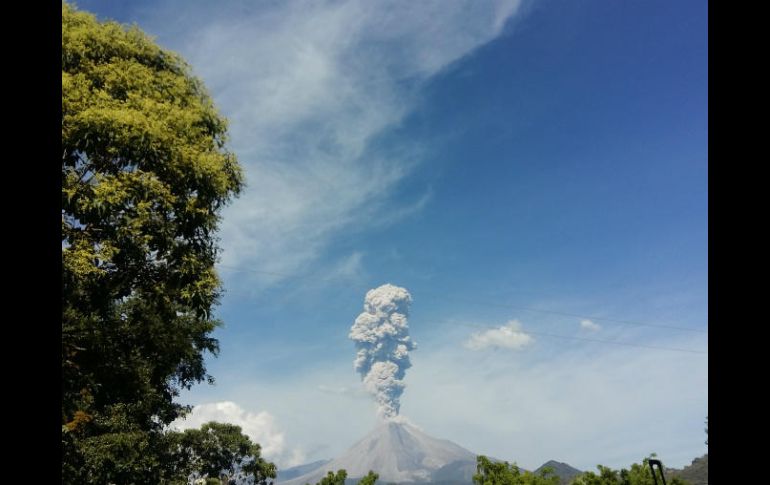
x=402 y=453
x=299 y=470
x=696 y=473
x=397 y=451
x=564 y=471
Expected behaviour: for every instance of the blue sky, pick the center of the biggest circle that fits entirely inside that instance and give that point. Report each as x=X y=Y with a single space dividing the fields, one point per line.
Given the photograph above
x=494 y=158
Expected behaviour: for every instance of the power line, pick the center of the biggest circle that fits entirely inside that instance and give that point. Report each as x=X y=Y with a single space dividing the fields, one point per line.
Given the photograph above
x=543 y=334
x=571 y=337
x=604 y=319
x=310 y=277
x=673 y=349
x=499 y=305
x=248 y=270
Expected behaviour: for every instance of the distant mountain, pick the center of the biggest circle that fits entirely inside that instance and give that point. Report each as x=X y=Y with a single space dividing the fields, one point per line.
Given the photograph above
x=299 y=470
x=564 y=471
x=696 y=473
x=460 y=472
x=399 y=453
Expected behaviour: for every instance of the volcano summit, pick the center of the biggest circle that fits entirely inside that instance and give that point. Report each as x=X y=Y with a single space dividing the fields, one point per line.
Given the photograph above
x=399 y=453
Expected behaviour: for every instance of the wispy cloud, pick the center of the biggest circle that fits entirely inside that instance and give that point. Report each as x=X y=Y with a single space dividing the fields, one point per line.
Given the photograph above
x=585 y=405
x=347 y=268
x=589 y=403
x=308 y=86
x=508 y=336
x=259 y=427
x=589 y=325
x=352 y=392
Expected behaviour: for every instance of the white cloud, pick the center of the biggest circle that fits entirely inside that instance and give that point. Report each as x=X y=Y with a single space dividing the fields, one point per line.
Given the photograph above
x=260 y=427
x=307 y=86
x=321 y=420
x=588 y=405
x=589 y=325
x=508 y=336
x=584 y=404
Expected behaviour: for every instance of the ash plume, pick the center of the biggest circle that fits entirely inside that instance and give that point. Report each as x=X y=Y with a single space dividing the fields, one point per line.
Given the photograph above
x=381 y=334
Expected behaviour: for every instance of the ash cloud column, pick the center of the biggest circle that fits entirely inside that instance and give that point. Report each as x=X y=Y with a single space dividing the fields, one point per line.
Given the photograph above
x=381 y=334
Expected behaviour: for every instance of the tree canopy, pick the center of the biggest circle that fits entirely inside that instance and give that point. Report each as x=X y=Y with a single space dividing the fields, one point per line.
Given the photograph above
x=369 y=479
x=332 y=478
x=145 y=173
x=218 y=449
x=490 y=472
x=638 y=474
x=339 y=478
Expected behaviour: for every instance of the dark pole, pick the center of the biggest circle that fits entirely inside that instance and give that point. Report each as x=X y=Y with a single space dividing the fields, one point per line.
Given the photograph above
x=652 y=462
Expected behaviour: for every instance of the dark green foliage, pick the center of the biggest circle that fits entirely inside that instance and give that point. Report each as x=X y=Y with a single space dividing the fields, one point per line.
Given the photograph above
x=638 y=474
x=334 y=479
x=218 y=449
x=339 y=478
x=490 y=472
x=144 y=176
x=369 y=479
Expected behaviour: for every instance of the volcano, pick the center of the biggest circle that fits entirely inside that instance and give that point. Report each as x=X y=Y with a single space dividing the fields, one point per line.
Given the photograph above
x=399 y=453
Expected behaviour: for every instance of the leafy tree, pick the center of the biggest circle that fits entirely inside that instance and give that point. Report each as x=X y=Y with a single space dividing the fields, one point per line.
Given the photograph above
x=218 y=449
x=490 y=472
x=145 y=173
x=369 y=479
x=707 y=430
x=638 y=474
x=334 y=479
x=339 y=478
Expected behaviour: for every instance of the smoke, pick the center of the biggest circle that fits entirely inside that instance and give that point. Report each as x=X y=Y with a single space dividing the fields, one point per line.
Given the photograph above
x=381 y=334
